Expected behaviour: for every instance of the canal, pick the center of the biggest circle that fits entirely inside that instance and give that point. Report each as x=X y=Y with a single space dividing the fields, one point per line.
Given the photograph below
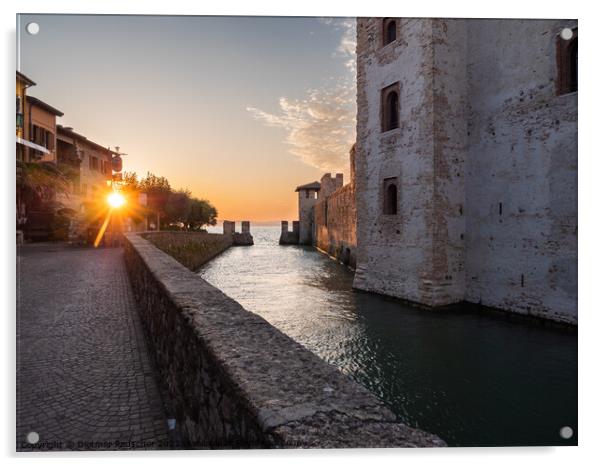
x=473 y=378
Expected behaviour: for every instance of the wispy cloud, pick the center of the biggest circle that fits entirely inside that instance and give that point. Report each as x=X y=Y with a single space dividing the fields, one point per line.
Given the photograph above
x=321 y=127
x=346 y=48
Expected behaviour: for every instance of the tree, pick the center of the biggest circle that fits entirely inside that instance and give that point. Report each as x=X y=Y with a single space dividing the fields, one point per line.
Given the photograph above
x=129 y=182
x=42 y=180
x=171 y=207
x=177 y=208
x=201 y=213
x=157 y=191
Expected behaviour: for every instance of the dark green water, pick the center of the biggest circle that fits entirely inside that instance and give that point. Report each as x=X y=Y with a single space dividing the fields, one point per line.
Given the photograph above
x=473 y=378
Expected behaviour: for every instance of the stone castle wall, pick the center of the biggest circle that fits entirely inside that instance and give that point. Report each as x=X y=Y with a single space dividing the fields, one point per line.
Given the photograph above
x=335 y=220
x=234 y=380
x=485 y=159
x=521 y=171
x=287 y=236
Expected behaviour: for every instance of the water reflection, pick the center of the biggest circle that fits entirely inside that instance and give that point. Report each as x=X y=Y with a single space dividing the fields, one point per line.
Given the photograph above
x=472 y=378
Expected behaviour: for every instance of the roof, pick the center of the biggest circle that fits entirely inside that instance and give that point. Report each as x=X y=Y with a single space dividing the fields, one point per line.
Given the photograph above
x=66 y=131
x=22 y=77
x=314 y=185
x=49 y=108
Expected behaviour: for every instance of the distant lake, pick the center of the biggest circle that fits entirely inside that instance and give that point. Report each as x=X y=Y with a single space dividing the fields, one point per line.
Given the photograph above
x=472 y=378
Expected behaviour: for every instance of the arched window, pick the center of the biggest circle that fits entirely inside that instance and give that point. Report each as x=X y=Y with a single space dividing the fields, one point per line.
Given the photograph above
x=389 y=30
x=392 y=110
x=390 y=196
x=566 y=63
x=390 y=107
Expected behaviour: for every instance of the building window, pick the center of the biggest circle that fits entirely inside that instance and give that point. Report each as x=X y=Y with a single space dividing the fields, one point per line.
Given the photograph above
x=390 y=107
x=93 y=163
x=390 y=196
x=566 y=64
x=49 y=141
x=19 y=113
x=389 y=30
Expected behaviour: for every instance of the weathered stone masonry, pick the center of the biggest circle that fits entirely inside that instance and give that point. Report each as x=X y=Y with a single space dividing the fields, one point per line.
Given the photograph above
x=195 y=248
x=335 y=223
x=235 y=380
x=327 y=215
x=484 y=159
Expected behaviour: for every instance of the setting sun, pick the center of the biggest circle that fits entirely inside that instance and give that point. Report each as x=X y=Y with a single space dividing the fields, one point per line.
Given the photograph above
x=115 y=200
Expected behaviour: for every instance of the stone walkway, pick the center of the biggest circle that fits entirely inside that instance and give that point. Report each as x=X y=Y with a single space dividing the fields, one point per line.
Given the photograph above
x=84 y=376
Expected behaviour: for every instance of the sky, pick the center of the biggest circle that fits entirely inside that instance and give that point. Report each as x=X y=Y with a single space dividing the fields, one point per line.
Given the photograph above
x=239 y=110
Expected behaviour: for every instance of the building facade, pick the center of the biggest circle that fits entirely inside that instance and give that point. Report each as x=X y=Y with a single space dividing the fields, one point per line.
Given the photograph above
x=23 y=82
x=22 y=143
x=466 y=162
x=63 y=178
x=91 y=166
x=41 y=119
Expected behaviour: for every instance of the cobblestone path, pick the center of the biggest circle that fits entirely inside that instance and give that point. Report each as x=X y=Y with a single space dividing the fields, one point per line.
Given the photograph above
x=84 y=375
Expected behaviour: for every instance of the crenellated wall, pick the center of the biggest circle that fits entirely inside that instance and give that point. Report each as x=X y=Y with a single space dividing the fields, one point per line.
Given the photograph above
x=335 y=220
x=236 y=381
x=287 y=236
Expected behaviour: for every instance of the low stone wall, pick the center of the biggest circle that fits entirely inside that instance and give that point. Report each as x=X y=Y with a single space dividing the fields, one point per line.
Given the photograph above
x=237 y=381
x=191 y=248
x=335 y=224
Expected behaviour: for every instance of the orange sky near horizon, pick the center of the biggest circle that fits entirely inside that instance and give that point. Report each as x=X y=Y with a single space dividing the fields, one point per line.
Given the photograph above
x=214 y=104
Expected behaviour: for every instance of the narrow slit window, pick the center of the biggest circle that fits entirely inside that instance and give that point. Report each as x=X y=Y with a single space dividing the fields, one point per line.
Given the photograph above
x=390 y=107
x=390 y=196
x=566 y=64
x=573 y=65
x=389 y=31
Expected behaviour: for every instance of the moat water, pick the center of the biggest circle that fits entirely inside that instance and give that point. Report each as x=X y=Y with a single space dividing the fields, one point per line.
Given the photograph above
x=473 y=378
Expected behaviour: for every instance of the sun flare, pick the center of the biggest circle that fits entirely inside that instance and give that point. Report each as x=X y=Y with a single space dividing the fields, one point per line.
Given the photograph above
x=115 y=200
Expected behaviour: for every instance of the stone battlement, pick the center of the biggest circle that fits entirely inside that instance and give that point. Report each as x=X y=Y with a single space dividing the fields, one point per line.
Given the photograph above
x=244 y=238
x=236 y=381
x=289 y=237
x=329 y=185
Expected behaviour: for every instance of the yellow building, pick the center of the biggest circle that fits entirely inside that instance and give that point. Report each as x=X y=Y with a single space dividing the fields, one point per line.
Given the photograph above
x=23 y=82
x=25 y=145
x=42 y=126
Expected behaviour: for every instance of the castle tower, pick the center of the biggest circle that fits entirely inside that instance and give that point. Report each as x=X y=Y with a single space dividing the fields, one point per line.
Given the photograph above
x=308 y=196
x=410 y=151
x=466 y=162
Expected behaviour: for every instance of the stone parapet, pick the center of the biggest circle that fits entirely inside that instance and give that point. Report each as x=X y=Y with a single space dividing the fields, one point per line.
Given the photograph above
x=289 y=237
x=237 y=381
x=191 y=248
x=244 y=238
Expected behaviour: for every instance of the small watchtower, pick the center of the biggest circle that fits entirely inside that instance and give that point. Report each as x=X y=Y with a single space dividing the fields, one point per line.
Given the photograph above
x=308 y=196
